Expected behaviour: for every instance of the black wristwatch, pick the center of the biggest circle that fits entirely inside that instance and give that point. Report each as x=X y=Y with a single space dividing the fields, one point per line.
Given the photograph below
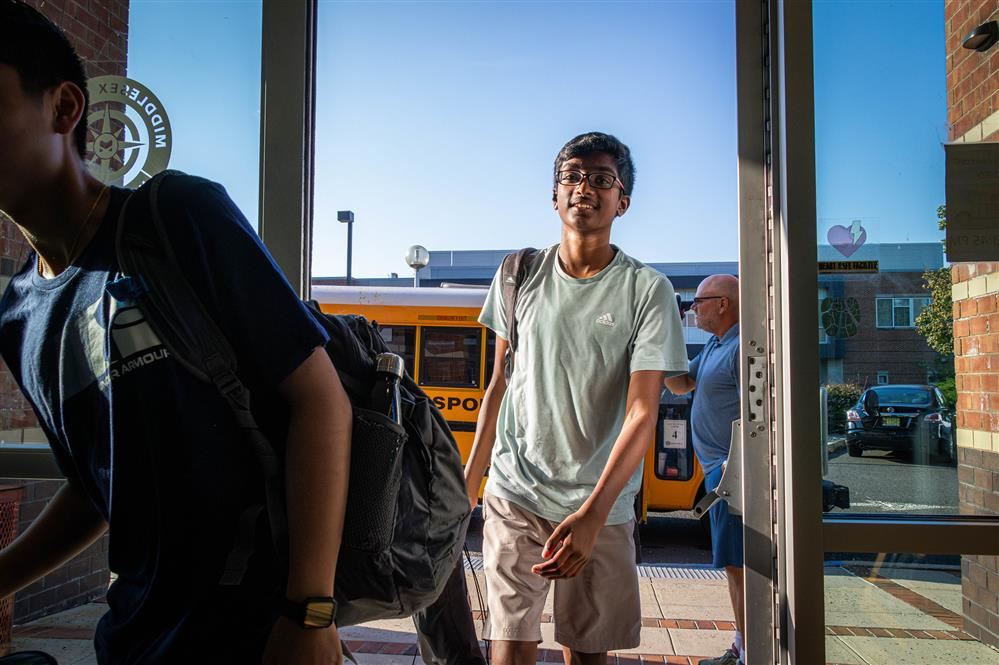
x=316 y=612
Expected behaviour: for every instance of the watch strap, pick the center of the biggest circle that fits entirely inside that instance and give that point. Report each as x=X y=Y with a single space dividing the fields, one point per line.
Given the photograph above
x=313 y=612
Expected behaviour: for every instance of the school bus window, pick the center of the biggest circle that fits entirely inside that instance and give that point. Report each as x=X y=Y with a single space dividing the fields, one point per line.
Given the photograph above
x=450 y=357
x=490 y=354
x=401 y=340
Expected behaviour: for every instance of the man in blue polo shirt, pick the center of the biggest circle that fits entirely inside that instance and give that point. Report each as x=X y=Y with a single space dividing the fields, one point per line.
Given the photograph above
x=715 y=375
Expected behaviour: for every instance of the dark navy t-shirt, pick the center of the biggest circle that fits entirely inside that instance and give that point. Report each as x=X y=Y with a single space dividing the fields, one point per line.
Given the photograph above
x=156 y=449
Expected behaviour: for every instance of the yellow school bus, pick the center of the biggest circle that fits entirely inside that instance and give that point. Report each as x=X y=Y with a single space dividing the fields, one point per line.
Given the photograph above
x=450 y=355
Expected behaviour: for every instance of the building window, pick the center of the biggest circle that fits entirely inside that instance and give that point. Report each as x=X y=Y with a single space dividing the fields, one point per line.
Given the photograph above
x=882 y=378
x=899 y=311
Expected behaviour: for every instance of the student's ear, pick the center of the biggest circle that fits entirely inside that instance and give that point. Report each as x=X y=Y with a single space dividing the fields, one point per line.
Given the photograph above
x=555 y=198
x=68 y=106
x=623 y=204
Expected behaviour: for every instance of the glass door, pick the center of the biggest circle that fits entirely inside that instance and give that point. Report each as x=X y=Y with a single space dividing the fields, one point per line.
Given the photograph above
x=879 y=395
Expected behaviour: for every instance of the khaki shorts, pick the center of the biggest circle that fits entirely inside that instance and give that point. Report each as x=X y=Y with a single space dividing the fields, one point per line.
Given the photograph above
x=598 y=610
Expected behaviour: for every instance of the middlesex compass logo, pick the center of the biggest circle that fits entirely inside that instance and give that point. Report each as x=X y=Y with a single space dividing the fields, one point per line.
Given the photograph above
x=128 y=132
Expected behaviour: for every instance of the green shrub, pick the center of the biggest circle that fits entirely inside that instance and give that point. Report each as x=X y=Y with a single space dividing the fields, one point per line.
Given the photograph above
x=841 y=396
x=948 y=389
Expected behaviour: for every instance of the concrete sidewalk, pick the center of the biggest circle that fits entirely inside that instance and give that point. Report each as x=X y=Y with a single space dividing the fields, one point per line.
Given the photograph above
x=909 y=616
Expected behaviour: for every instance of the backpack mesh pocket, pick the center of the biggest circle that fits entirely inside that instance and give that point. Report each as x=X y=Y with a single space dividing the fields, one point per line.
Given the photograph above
x=375 y=474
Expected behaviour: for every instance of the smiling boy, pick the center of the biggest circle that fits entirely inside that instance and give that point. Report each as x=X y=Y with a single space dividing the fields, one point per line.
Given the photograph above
x=564 y=439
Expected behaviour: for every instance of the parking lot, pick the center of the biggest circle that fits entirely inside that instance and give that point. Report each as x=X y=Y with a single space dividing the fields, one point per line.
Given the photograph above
x=887 y=482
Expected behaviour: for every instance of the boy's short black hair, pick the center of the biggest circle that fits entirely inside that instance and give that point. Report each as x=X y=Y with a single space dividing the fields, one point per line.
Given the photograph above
x=42 y=56
x=592 y=142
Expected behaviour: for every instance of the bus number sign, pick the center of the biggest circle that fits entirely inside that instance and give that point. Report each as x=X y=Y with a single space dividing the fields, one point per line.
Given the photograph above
x=674 y=434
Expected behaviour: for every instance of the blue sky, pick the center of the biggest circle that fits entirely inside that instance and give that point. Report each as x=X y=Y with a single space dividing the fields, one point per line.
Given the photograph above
x=438 y=121
x=202 y=59
x=880 y=117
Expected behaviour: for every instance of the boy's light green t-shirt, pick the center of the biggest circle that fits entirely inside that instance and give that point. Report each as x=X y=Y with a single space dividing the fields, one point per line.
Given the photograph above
x=579 y=340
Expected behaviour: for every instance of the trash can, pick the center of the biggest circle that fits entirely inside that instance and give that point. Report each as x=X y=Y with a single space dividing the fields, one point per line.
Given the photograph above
x=10 y=507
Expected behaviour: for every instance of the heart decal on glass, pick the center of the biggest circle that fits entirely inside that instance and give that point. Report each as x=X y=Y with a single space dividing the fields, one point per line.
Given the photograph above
x=847 y=240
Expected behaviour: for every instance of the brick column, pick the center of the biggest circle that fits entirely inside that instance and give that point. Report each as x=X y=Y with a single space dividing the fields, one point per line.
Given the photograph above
x=976 y=345
x=98 y=30
x=973 y=113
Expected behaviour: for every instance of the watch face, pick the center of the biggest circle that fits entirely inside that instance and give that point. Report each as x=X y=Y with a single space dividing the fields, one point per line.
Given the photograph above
x=319 y=613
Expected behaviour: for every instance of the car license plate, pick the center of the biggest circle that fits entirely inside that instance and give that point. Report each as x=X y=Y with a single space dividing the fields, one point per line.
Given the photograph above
x=891 y=421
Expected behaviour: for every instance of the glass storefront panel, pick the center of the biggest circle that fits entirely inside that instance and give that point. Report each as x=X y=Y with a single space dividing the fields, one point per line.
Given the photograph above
x=172 y=86
x=201 y=62
x=880 y=123
x=907 y=608
x=437 y=124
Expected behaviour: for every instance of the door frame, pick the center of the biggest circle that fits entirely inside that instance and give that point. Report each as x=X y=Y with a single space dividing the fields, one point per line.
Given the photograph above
x=781 y=456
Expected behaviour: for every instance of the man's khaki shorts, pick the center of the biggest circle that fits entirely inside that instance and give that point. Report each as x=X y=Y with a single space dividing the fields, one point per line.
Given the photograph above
x=598 y=610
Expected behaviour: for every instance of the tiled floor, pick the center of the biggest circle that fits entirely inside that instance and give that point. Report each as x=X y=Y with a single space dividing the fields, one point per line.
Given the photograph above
x=873 y=620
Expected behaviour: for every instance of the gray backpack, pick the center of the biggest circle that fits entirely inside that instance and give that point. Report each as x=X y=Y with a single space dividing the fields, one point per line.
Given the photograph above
x=407 y=510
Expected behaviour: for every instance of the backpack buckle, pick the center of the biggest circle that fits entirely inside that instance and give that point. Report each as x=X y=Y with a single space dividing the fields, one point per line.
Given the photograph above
x=224 y=378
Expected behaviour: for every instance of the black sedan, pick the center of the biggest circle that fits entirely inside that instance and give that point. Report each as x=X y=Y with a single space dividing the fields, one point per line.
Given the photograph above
x=906 y=418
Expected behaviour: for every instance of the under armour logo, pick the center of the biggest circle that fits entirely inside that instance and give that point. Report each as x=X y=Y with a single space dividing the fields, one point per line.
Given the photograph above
x=606 y=320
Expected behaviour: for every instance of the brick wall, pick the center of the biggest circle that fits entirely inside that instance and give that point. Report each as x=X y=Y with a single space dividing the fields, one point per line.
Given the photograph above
x=976 y=348
x=80 y=581
x=973 y=112
x=972 y=90
x=98 y=30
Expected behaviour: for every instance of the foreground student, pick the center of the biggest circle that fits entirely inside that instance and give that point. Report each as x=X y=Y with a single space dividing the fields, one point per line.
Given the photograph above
x=564 y=440
x=148 y=451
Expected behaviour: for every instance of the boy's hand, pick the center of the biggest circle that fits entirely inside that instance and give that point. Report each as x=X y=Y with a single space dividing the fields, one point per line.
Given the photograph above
x=289 y=644
x=569 y=547
x=472 y=489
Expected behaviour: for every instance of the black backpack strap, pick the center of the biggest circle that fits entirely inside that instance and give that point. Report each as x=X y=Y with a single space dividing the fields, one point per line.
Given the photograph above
x=178 y=316
x=513 y=272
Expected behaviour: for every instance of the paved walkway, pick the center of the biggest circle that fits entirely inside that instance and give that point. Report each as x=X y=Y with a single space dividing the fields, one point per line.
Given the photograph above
x=911 y=617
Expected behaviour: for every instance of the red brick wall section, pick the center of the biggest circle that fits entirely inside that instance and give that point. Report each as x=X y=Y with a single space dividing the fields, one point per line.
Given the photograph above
x=972 y=77
x=976 y=351
x=973 y=96
x=99 y=32
x=83 y=579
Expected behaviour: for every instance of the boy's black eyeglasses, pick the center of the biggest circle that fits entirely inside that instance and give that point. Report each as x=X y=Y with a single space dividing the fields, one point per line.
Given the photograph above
x=596 y=179
x=698 y=301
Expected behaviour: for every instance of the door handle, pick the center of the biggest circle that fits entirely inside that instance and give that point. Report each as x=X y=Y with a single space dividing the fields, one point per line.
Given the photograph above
x=730 y=486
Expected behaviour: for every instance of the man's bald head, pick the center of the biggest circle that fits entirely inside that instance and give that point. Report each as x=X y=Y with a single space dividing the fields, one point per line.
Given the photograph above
x=723 y=285
x=717 y=302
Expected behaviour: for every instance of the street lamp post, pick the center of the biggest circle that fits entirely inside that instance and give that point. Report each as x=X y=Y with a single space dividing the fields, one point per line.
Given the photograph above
x=417 y=257
x=347 y=217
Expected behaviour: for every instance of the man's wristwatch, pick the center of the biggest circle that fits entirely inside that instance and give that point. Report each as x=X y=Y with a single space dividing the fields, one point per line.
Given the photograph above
x=316 y=612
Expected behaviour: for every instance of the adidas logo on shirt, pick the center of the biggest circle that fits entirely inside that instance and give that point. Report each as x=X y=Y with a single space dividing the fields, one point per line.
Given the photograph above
x=606 y=320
